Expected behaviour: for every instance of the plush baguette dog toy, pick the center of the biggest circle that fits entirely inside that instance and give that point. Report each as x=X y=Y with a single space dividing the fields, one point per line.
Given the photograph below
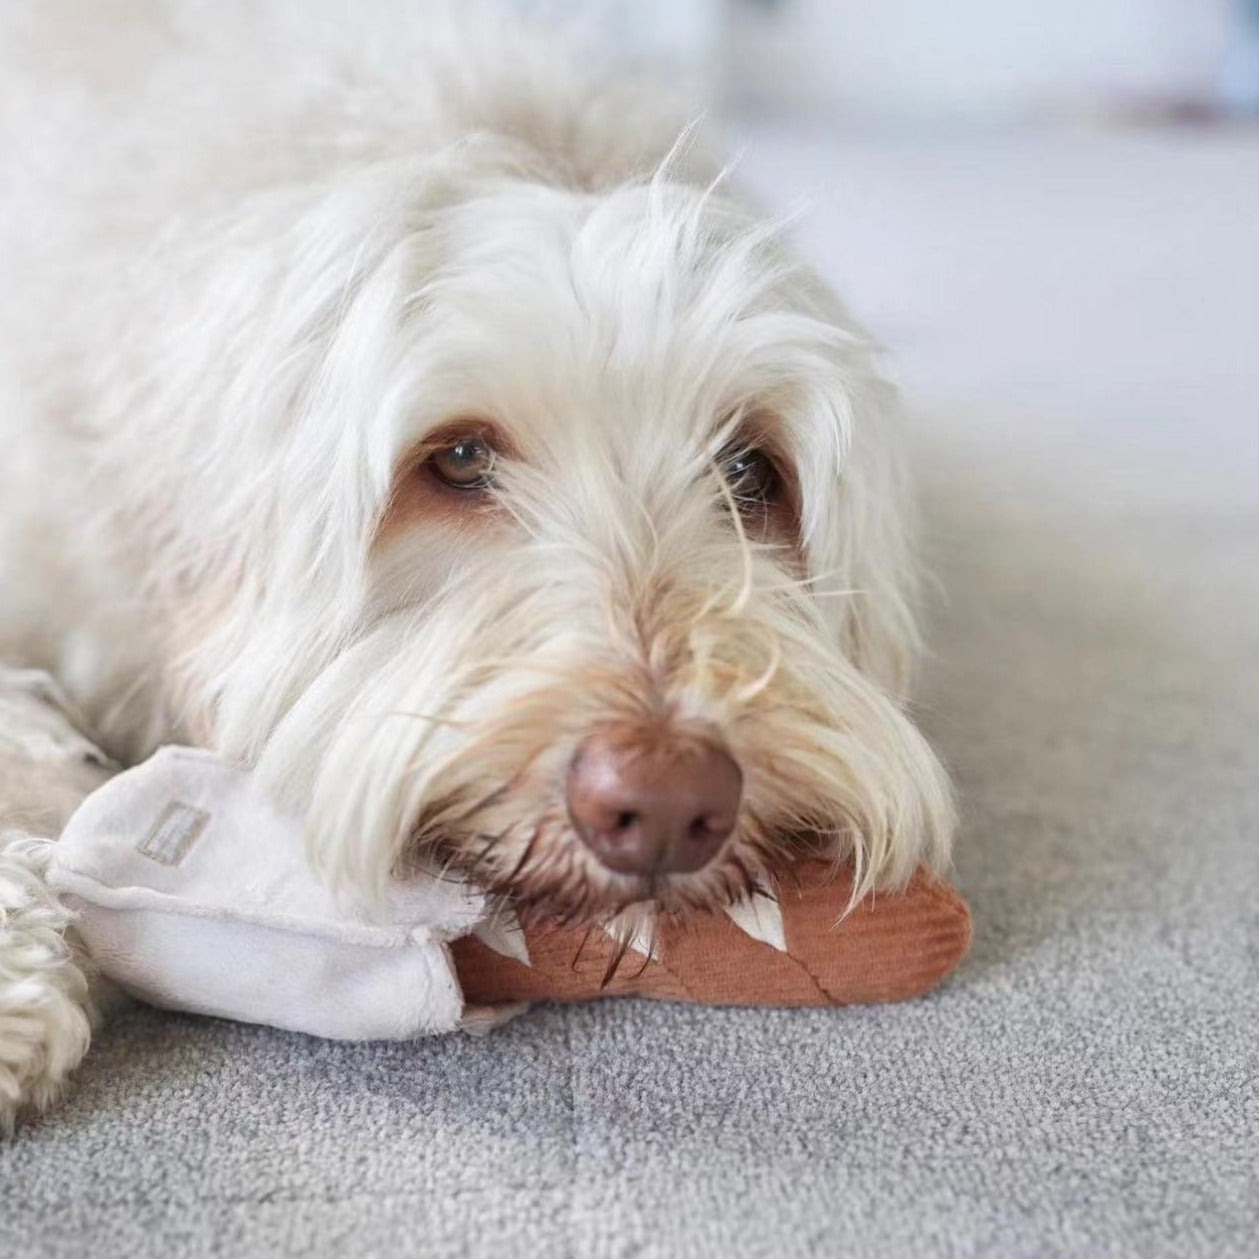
x=795 y=951
x=192 y=892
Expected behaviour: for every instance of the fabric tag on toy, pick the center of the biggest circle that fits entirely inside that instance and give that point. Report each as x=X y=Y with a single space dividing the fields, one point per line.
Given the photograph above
x=194 y=893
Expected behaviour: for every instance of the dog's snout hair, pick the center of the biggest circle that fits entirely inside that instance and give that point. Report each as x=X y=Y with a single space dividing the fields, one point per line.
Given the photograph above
x=468 y=712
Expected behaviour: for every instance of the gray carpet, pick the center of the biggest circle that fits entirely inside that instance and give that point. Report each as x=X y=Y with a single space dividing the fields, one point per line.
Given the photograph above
x=1088 y=1082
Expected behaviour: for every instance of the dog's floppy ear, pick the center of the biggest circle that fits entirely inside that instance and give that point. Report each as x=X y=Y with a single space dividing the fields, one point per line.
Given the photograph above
x=855 y=508
x=870 y=537
x=293 y=420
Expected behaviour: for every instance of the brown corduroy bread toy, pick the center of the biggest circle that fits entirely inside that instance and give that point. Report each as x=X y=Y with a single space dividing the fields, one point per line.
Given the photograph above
x=801 y=951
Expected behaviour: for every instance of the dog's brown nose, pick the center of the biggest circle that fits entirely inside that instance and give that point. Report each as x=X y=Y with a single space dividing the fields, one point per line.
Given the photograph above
x=653 y=801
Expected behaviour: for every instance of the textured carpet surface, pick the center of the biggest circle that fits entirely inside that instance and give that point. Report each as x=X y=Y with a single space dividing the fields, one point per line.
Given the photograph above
x=1076 y=322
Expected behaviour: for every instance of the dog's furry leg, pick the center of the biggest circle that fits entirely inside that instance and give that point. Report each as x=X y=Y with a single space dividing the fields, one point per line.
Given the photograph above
x=48 y=1000
x=50 y=997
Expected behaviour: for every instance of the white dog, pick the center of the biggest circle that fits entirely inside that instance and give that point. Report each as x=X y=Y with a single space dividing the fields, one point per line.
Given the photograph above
x=387 y=404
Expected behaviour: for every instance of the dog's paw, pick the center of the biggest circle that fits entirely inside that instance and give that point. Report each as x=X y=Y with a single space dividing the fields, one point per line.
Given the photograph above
x=45 y=995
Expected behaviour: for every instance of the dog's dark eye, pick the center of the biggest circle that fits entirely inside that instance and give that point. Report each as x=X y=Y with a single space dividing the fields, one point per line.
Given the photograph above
x=752 y=477
x=465 y=465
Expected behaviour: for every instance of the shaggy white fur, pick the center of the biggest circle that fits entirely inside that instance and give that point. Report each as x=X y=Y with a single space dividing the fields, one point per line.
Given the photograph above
x=48 y=995
x=265 y=264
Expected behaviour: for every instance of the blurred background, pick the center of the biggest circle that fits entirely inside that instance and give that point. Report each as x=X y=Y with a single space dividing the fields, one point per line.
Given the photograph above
x=1048 y=211
x=908 y=61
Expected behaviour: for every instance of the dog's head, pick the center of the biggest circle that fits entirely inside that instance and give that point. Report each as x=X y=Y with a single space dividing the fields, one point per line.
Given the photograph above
x=577 y=560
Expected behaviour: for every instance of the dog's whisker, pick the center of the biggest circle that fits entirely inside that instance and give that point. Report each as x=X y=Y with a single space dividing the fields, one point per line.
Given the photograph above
x=647 y=958
x=490 y=843
x=525 y=855
x=622 y=948
x=486 y=802
x=432 y=719
x=581 y=948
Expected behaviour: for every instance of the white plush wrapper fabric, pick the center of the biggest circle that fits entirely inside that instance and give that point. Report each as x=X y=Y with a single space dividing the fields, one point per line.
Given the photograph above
x=194 y=893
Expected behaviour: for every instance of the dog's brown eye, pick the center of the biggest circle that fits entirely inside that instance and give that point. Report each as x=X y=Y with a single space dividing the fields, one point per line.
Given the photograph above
x=465 y=465
x=751 y=476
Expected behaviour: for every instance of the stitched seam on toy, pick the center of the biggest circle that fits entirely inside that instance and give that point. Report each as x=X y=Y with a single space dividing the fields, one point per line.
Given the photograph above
x=827 y=996
x=170 y=838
